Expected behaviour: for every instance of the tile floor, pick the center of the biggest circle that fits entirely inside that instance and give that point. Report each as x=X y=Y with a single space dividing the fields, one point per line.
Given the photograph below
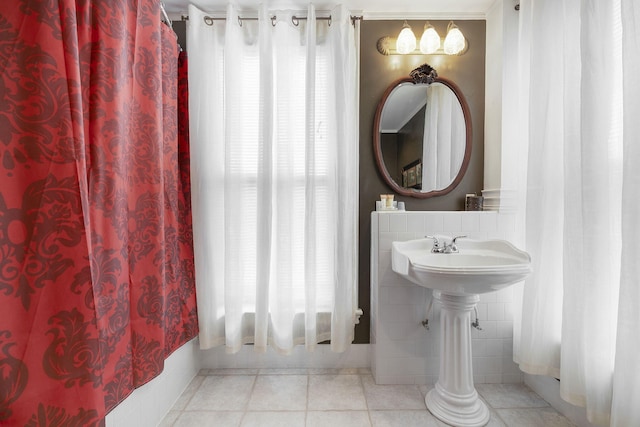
x=335 y=398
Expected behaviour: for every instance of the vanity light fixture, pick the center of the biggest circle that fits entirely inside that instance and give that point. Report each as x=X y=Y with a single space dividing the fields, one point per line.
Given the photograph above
x=406 y=42
x=430 y=43
x=430 y=40
x=455 y=42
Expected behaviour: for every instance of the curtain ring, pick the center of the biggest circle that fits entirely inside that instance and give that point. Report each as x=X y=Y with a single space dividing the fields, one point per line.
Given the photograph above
x=295 y=20
x=273 y=21
x=208 y=20
x=239 y=21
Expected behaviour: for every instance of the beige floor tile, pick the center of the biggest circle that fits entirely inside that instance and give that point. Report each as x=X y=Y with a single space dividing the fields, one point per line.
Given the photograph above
x=403 y=419
x=222 y=392
x=278 y=393
x=186 y=395
x=391 y=396
x=283 y=371
x=501 y=396
x=208 y=419
x=336 y=392
x=338 y=419
x=533 y=417
x=274 y=419
x=336 y=398
x=169 y=419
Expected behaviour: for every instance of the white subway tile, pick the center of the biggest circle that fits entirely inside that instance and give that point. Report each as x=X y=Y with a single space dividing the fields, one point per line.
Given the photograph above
x=404 y=236
x=481 y=309
x=507 y=225
x=383 y=223
x=495 y=311
x=478 y=379
x=479 y=347
x=415 y=223
x=488 y=330
x=486 y=365
x=425 y=379
x=488 y=222
x=419 y=235
x=406 y=295
x=488 y=297
x=512 y=378
x=505 y=294
x=398 y=222
x=452 y=222
x=470 y=222
x=432 y=365
x=401 y=349
x=508 y=311
x=493 y=347
x=493 y=379
x=504 y=329
x=507 y=348
x=404 y=331
x=397 y=313
x=433 y=223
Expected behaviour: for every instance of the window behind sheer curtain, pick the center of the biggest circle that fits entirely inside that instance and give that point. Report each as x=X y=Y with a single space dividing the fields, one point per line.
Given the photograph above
x=275 y=179
x=291 y=149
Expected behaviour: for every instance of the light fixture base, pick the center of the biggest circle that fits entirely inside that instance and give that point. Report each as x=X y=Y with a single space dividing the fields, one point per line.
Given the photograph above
x=387 y=46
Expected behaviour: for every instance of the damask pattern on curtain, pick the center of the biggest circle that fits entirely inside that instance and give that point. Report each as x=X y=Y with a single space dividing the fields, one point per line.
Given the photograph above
x=96 y=260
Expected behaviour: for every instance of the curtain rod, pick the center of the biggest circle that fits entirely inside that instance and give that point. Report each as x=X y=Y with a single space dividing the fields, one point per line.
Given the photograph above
x=164 y=14
x=209 y=20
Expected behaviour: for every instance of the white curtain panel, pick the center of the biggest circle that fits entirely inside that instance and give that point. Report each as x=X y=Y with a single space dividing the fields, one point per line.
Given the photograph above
x=443 y=124
x=626 y=379
x=273 y=119
x=578 y=310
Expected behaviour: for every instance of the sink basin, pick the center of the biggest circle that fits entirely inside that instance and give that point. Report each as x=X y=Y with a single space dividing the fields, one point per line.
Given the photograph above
x=480 y=266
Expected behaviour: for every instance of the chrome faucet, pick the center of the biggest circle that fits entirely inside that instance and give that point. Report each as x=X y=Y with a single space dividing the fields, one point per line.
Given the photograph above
x=444 y=247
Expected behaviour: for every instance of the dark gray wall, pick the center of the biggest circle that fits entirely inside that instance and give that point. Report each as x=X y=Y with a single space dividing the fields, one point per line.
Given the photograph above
x=377 y=73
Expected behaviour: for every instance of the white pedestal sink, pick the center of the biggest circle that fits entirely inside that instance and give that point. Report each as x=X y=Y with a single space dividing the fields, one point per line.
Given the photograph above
x=456 y=280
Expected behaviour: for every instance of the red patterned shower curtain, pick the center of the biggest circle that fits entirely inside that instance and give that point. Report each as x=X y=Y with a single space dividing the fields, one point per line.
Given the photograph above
x=96 y=260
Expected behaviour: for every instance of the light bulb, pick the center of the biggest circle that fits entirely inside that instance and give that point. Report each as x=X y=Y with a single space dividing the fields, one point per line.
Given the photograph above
x=406 y=42
x=430 y=40
x=454 y=42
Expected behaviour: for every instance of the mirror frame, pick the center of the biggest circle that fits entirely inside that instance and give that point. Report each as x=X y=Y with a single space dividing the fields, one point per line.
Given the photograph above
x=377 y=147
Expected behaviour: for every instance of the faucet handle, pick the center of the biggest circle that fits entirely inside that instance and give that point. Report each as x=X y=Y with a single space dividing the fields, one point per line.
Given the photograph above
x=437 y=246
x=454 y=247
x=456 y=238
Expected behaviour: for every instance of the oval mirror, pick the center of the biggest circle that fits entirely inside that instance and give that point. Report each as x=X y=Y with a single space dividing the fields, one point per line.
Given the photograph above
x=422 y=136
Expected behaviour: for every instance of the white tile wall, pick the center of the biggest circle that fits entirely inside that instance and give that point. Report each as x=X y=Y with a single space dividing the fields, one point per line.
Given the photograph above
x=402 y=350
x=147 y=405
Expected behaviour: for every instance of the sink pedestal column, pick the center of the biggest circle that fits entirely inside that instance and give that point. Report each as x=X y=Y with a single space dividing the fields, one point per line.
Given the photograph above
x=454 y=399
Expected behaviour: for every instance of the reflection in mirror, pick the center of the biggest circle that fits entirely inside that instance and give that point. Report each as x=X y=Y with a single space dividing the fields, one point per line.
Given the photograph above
x=422 y=137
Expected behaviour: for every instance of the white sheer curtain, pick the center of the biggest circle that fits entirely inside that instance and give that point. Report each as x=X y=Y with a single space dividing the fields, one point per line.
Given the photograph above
x=274 y=178
x=443 y=124
x=580 y=314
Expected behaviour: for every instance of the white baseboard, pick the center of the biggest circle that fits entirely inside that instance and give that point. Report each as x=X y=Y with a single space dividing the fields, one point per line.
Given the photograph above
x=357 y=356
